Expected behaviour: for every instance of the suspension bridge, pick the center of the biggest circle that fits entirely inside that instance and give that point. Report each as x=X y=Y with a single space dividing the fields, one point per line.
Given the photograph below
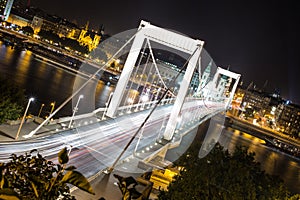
x=155 y=103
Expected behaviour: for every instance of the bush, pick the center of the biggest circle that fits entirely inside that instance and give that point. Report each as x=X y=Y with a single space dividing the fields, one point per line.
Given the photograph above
x=12 y=100
x=31 y=176
x=221 y=175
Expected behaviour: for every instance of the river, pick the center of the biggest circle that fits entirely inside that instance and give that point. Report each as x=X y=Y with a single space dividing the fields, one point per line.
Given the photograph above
x=44 y=81
x=49 y=83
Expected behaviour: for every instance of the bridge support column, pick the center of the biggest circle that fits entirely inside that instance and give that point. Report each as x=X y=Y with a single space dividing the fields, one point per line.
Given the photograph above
x=237 y=78
x=126 y=73
x=171 y=125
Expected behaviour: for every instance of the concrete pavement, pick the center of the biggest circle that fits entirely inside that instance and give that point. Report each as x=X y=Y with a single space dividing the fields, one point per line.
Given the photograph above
x=8 y=132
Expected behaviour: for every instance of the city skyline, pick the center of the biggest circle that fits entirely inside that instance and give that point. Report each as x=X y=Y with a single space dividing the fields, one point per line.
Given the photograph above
x=256 y=39
x=139 y=112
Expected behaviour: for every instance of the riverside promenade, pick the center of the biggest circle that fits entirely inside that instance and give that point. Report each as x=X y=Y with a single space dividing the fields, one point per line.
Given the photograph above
x=8 y=131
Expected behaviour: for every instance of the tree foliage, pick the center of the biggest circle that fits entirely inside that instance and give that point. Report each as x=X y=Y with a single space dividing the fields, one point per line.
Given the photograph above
x=12 y=101
x=221 y=175
x=31 y=176
x=28 y=30
x=74 y=45
x=49 y=35
x=64 y=42
x=129 y=192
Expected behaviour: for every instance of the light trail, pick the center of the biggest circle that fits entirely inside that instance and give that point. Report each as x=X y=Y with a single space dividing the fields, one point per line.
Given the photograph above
x=95 y=146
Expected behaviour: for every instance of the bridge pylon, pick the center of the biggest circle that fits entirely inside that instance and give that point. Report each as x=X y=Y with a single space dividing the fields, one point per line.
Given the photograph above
x=170 y=39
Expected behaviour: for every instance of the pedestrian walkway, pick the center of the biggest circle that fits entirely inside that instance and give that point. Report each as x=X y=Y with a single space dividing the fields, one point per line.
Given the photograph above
x=8 y=132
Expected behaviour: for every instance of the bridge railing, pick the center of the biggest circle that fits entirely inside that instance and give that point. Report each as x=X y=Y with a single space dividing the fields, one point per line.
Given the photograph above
x=135 y=107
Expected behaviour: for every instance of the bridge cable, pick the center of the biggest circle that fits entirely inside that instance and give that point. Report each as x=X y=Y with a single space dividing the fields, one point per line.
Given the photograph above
x=82 y=86
x=141 y=76
x=156 y=68
x=134 y=77
x=110 y=169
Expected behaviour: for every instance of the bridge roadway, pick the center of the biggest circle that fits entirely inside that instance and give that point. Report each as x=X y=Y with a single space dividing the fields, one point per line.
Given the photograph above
x=96 y=146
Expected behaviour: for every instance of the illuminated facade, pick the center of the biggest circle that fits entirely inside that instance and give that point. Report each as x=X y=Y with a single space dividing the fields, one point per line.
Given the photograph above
x=203 y=88
x=288 y=119
x=255 y=100
x=36 y=24
x=5 y=7
x=162 y=178
x=18 y=20
x=88 y=38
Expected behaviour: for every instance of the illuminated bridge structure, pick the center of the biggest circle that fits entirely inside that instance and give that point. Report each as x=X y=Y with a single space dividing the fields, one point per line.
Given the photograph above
x=154 y=104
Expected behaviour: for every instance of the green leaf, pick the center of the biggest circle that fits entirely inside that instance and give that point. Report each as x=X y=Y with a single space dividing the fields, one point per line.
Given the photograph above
x=77 y=179
x=63 y=156
x=33 y=150
x=9 y=194
x=3 y=182
x=35 y=190
x=70 y=168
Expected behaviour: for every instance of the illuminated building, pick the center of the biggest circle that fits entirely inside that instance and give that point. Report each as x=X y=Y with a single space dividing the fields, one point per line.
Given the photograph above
x=18 y=20
x=255 y=100
x=89 y=38
x=36 y=24
x=162 y=178
x=222 y=86
x=5 y=7
x=204 y=86
x=288 y=118
x=68 y=30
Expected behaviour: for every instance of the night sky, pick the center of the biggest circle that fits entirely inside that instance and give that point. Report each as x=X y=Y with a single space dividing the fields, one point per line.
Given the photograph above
x=258 y=39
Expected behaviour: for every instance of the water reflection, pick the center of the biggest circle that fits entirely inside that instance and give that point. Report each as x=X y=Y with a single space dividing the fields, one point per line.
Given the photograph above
x=44 y=81
x=48 y=83
x=272 y=160
x=7 y=54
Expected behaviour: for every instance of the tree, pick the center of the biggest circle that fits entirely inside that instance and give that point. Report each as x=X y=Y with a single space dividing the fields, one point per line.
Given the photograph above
x=127 y=186
x=74 y=45
x=12 y=100
x=221 y=175
x=49 y=35
x=31 y=176
x=27 y=30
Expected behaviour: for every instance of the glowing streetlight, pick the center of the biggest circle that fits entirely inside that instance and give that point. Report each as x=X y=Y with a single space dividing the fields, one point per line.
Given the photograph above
x=75 y=110
x=52 y=107
x=21 y=124
x=41 y=110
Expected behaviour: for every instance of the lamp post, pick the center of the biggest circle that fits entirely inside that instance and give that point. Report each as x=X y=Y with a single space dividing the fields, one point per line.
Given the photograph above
x=41 y=110
x=21 y=124
x=75 y=110
x=52 y=107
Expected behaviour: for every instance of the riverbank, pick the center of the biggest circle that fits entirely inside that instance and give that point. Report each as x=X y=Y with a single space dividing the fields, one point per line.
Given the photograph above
x=272 y=138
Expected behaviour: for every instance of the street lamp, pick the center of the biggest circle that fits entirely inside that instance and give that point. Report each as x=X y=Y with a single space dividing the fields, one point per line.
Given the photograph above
x=52 y=107
x=21 y=124
x=75 y=110
x=41 y=110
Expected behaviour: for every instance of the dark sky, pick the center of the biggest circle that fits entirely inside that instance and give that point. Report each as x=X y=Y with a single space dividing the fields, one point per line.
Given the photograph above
x=258 y=39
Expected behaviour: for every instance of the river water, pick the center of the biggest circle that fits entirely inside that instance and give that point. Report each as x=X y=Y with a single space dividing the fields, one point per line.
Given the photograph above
x=49 y=83
x=44 y=81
